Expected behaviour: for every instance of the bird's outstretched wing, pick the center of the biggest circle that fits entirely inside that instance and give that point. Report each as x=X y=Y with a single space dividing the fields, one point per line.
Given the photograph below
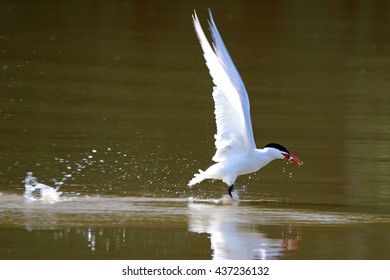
x=234 y=128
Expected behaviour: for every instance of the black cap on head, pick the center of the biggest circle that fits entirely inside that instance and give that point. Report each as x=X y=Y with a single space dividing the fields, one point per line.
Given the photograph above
x=277 y=146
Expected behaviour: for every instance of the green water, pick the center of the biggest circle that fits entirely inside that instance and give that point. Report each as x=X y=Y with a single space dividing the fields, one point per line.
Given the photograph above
x=114 y=99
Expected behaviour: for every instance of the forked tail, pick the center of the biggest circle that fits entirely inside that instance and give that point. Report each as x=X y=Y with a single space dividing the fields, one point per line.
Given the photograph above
x=197 y=178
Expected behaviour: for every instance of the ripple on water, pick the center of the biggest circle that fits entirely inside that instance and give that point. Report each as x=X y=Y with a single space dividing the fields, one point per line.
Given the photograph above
x=106 y=210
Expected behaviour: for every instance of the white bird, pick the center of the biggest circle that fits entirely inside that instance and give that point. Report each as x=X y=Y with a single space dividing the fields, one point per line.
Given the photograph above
x=236 y=149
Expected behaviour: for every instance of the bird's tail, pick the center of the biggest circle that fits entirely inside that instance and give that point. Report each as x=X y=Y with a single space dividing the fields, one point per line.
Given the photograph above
x=197 y=178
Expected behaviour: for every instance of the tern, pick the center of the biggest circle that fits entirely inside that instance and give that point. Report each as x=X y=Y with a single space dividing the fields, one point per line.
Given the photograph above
x=236 y=152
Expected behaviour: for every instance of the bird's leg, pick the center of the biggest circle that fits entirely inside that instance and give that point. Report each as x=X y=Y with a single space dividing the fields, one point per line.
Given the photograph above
x=230 y=189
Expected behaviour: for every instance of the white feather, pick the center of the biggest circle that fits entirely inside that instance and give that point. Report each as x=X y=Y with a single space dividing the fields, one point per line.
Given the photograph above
x=236 y=150
x=234 y=127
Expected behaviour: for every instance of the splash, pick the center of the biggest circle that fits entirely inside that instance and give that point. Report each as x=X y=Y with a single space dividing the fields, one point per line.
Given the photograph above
x=38 y=191
x=104 y=162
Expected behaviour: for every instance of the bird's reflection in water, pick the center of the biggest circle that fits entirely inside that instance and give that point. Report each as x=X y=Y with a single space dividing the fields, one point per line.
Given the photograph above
x=234 y=236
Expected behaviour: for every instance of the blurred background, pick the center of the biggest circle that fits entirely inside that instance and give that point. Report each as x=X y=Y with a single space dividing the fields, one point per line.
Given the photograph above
x=113 y=99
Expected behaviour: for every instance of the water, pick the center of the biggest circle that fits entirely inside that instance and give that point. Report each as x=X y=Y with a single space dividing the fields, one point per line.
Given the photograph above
x=114 y=101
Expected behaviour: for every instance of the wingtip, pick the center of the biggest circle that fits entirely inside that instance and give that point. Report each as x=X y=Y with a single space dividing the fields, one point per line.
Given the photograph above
x=194 y=16
x=211 y=20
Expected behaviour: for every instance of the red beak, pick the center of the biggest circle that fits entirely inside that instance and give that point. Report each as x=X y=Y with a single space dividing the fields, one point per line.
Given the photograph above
x=293 y=158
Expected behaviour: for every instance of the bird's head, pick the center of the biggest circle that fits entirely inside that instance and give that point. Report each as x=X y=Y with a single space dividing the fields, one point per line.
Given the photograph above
x=284 y=153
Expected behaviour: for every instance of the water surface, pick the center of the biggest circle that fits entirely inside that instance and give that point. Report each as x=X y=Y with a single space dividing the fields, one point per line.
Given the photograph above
x=114 y=100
